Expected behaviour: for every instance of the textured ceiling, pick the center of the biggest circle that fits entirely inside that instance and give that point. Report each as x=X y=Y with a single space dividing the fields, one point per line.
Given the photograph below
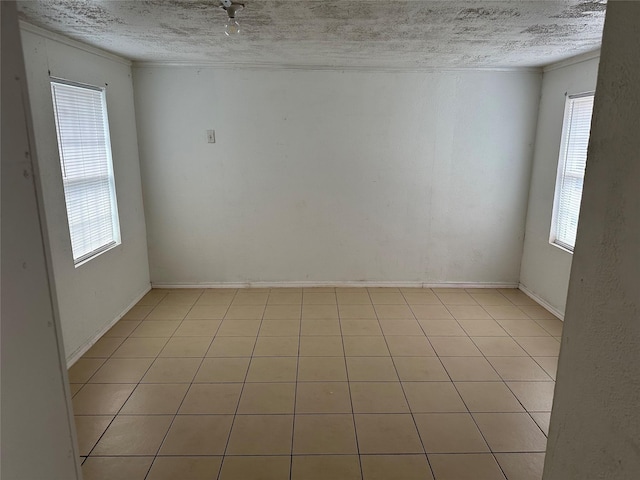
x=402 y=34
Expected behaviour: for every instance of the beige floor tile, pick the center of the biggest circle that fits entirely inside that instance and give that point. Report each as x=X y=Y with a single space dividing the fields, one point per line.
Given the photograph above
x=75 y=388
x=442 y=328
x=410 y=346
x=511 y=432
x=215 y=298
x=324 y=434
x=255 y=468
x=134 y=435
x=159 y=328
x=104 y=347
x=174 y=312
x=458 y=298
x=111 y=468
x=387 y=298
x=283 y=312
x=207 y=312
x=549 y=364
x=386 y=467
x=276 y=347
x=192 y=468
x=285 y=298
x=521 y=466
x=356 y=312
x=371 y=369
x=140 y=347
x=239 y=328
x=431 y=312
x=491 y=299
x=323 y=397
x=172 y=370
x=449 y=433
x=317 y=346
x=365 y=346
x=517 y=297
x=84 y=368
x=272 y=369
x=535 y=396
x=353 y=298
x=261 y=435
x=153 y=296
x=251 y=297
x=244 y=312
x=122 y=370
x=454 y=347
x=138 y=312
x=264 y=398
x=469 y=312
x=542 y=419
x=232 y=347
x=483 y=328
x=387 y=433
x=123 y=328
x=392 y=312
x=197 y=435
x=539 y=346
x=469 y=369
x=401 y=327
x=322 y=369
x=211 y=398
x=488 y=397
x=360 y=327
x=154 y=399
x=181 y=297
x=499 y=347
x=420 y=369
x=280 y=328
x=421 y=298
x=186 y=347
x=523 y=328
x=319 y=298
x=378 y=397
x=310 y=312
x=553 y=326
x=537 y=312
x=197 y=328
x=320 y=327
x=503 y=312
x=89 y=429
x=222 y=369
x=101 y=399
x=518 y=368
x=433 y=397
x=325 y=467
x=466 y=466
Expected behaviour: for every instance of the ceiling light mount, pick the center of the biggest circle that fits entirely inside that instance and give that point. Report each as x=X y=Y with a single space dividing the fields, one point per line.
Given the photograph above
x=232 y=27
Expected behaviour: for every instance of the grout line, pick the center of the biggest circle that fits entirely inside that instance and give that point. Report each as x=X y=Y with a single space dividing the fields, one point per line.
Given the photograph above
x=295 y=389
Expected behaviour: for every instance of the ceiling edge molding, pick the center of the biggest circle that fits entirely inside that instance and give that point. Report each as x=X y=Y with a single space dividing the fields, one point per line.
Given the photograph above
x=583 y=57
x=335 y=68
x=42 y=32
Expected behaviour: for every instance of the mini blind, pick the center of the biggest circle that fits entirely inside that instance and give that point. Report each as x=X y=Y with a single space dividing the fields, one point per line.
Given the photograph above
x=87 y=171
x=571 y=166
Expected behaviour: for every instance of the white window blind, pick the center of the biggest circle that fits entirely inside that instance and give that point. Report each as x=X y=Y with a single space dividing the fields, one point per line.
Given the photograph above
x=571 y=166
x=87 y=171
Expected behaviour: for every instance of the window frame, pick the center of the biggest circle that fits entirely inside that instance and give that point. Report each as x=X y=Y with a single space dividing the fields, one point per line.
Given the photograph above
x=115 y=218
x=563 y=155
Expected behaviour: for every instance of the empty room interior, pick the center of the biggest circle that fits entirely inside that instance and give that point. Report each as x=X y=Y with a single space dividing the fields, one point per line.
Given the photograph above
x=321 y=239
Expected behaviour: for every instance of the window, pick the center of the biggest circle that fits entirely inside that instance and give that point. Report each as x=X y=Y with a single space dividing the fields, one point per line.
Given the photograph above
x=87 y=170
x=571 y=165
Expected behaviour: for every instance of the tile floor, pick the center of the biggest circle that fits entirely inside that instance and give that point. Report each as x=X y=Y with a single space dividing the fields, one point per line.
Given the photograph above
x=320 y=383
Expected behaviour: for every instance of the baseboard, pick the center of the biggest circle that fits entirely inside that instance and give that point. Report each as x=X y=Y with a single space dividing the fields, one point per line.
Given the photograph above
x=73 y=358
x=340 y=284
x=542 y=302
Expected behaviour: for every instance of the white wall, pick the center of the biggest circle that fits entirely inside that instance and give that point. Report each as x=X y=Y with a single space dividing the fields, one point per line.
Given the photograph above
x=37 y=432
x=595 y=423
x=94 y=294
x=545 y=267
x=335 y=176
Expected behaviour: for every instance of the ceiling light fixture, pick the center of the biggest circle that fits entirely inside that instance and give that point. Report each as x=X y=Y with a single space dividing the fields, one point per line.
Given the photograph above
x=232 y=26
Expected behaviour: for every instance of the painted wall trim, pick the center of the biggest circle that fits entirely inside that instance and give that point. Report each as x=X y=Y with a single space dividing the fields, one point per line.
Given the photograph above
x=583 y=57
x=333 y=284
x=542 y=302
x=75 y=356
x=340 y=68
x=73 y=43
